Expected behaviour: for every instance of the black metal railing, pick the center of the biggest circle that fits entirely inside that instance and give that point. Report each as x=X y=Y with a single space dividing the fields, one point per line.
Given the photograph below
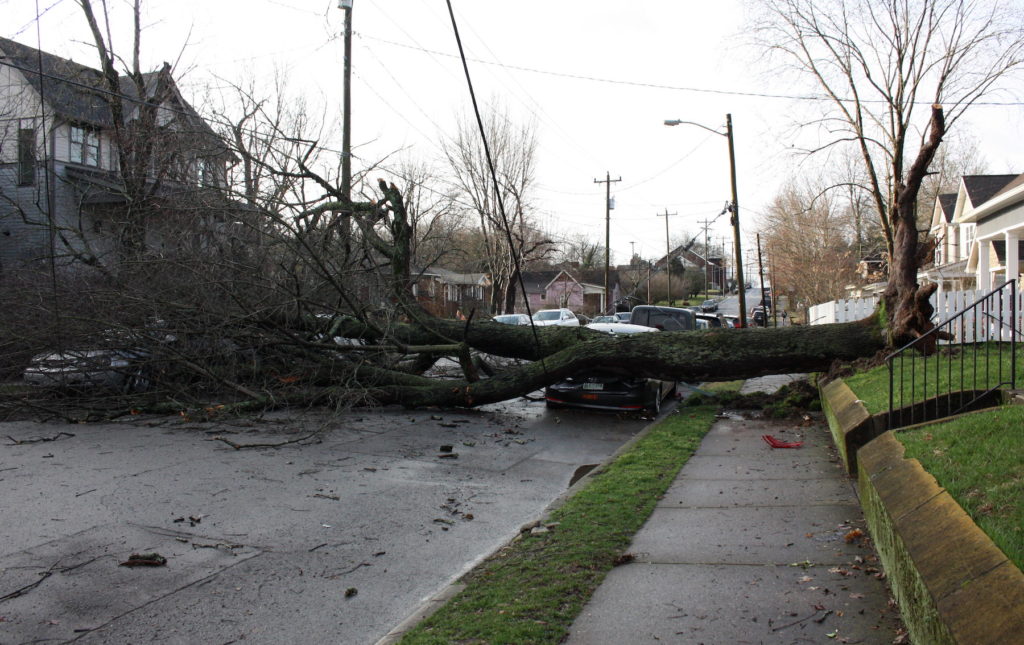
x=960 y=364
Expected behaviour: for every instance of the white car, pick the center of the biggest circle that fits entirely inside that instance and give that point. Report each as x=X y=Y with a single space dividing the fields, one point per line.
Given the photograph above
x=562 y=317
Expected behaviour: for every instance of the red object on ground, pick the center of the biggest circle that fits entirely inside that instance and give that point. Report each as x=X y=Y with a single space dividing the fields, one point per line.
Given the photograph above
x=775 y=443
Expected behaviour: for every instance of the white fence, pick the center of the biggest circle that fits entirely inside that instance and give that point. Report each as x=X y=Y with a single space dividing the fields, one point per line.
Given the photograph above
x=990 y=321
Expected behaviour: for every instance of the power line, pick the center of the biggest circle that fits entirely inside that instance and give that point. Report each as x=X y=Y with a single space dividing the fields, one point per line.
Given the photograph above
x=662 y=86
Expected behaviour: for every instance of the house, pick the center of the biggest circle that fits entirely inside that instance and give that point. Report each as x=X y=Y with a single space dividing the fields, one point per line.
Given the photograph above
x=444 y=293
x=579 y=290
x=64 y=191
x=955 y=229
x=998 y=235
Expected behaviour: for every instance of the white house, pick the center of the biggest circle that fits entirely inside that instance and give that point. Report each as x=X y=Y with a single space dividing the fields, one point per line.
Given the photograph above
x=953 y=226
x=999 y=235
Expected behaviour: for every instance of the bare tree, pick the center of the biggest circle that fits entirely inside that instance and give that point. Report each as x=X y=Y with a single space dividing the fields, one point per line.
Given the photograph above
x=878 y=64
x=803 y=234
x=513 y=150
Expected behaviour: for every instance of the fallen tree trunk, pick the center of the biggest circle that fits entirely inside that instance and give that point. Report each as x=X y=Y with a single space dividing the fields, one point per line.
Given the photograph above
x=692 y=356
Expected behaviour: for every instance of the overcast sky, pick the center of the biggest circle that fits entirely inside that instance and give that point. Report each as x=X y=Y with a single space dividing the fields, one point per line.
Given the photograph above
x=598 y=77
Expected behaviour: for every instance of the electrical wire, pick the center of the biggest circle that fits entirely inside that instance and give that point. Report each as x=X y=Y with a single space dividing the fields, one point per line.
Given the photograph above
x=497 y=187
x=662 y=86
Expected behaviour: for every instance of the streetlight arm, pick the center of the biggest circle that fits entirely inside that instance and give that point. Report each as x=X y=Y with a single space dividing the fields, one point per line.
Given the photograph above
x=679 y=122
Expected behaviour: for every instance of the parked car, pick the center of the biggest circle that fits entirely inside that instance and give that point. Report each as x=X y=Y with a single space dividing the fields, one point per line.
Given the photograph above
x=759 y=316
x=708 y=306
x=122 y=370
x=610 y=389
x=710 y=321
x=562 y=317
x=663 y=318
x=512 y=319
x=730 y=321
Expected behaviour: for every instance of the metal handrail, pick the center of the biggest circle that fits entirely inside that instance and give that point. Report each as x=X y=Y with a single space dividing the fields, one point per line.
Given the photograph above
x=948 y=402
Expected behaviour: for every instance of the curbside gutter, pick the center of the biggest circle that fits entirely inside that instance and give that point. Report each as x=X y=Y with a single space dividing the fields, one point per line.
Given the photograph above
x=952 y=583
x=449 y=591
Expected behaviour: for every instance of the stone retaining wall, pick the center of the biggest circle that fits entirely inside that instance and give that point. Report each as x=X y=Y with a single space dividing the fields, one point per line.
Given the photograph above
x=952 y=583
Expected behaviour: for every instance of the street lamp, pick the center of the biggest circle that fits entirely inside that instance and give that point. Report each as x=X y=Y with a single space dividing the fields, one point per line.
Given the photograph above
x=735 y=207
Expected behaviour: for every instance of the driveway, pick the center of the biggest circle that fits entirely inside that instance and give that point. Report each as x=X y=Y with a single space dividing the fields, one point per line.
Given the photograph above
x=333 y=539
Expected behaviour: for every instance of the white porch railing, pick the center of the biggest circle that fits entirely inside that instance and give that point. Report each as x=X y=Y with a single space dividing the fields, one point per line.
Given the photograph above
x=984 y=323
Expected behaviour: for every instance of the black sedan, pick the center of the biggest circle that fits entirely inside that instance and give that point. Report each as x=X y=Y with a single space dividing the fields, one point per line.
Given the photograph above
x=610 y=389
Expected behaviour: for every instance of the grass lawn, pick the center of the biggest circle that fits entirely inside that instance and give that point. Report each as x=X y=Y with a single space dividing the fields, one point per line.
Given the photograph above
x=970 y=368
x=532 y=590
x=979 y=459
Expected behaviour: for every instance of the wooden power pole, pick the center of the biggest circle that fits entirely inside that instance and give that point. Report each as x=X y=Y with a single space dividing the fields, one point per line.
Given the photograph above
x=607 y=181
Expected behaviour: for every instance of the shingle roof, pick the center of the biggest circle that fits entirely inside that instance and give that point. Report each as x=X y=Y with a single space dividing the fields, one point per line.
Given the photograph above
x=947 y=202
x=1018 y=181
x=981 y=188
x=78 y=93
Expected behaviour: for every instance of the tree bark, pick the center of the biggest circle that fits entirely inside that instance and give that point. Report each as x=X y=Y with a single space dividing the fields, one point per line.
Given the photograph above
x=908 y=310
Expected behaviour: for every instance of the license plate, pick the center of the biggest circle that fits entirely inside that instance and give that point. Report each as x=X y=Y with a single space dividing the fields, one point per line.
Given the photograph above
x=593 y=386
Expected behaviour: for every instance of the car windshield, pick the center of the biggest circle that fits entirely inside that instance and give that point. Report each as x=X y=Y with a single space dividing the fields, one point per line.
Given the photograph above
x=541 y=316
x=605 y=319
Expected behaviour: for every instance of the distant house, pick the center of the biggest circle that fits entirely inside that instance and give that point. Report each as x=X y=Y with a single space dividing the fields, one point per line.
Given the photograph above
x=61 y=192
x=444 y=293
x=582 y=291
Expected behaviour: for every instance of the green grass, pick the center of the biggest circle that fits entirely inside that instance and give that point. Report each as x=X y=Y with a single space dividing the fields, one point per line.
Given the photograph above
x=532 y=590
x=954 y=370
x=979 y=459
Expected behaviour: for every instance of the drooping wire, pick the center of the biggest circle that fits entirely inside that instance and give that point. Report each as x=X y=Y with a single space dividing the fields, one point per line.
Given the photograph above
x=497 y=186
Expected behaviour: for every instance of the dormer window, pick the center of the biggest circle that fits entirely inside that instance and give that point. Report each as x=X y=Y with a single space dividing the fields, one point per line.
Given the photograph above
x=85 y=146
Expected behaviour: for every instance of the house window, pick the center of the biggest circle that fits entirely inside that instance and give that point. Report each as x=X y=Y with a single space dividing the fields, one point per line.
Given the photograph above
x=85 y=146
x=26 y=157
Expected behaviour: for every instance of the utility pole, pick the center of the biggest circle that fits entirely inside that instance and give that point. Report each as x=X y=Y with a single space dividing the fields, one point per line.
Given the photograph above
x=632 y=251
x=668 y=256
x=734 y=208
x=760 y=270
x=707 y=259
x=346 y=126
x=735 y=218
x=607 y=181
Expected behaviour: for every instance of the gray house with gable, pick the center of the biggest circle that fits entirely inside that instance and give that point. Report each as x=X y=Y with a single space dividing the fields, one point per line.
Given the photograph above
x=63 y=196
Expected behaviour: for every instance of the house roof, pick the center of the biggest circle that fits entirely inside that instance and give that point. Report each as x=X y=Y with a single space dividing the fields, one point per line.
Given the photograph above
x=981 y=188
x=451 y=277
x=947 y=204
x=79 y=93
x=1017 y=182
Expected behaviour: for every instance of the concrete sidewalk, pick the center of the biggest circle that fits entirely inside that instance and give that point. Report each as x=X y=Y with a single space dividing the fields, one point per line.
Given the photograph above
x=749 y=545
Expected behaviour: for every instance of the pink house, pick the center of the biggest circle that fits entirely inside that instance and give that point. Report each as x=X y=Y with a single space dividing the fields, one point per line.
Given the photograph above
x=559 y=288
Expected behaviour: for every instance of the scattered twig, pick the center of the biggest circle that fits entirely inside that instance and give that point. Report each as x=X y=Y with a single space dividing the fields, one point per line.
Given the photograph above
x=43 y=576
x=240 y=446
x=21 y=442
x=796 y=622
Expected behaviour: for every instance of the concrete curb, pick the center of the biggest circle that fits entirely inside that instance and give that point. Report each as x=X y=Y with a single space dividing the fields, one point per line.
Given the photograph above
x=435 y=602
x=953 y=584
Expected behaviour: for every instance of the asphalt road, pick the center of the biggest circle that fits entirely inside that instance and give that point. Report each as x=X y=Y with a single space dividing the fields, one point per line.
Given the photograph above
x=730 y=305
x=335 y=539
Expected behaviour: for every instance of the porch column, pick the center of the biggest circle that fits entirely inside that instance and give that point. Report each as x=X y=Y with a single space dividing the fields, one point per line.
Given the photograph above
x=984 y=273
x=1012 y=256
